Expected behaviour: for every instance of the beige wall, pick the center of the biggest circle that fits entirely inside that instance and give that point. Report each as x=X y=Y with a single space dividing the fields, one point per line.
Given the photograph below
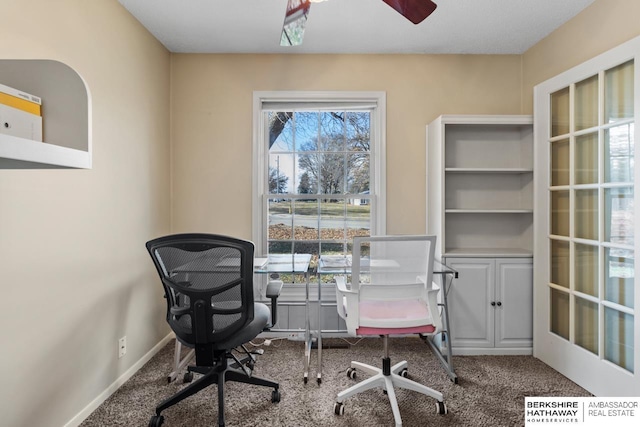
x=75 y=273
x=600 y=27
x=211 y=112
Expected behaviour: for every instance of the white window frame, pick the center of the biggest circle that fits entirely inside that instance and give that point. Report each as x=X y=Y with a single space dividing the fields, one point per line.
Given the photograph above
x=310 y=98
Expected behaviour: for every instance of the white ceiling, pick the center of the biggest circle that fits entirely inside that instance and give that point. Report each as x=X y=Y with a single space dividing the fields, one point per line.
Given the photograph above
x=353 y=26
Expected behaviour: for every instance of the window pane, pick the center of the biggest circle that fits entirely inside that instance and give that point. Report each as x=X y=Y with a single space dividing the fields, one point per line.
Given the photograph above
x=560 y=313
x=618 y=151
x=560 y=213
x=586 y=269
x=619 y=215
x=560 y=112
x=618 y=338
x=586 y=322
x=618 y=92
x=280 y=219
x=586 y=101
x=560 y=162
x=358 y=173
x=560 y=263
x=332 y=131
x=333 y=173
x=358 y=218
x=332 y=220
x=306 y=131
x=358 y=131
x=305 y=219
x=280 y=131
x=281 y=173
x=586 y=214
x=586 y=167
x=619 y=276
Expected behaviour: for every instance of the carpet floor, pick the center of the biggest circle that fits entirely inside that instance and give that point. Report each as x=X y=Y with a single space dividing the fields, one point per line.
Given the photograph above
x=490 y=390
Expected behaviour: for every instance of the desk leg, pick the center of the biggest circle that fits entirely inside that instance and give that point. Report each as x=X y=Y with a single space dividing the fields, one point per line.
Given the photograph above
x=308 y=337
x=445 y=361
x=319 y=340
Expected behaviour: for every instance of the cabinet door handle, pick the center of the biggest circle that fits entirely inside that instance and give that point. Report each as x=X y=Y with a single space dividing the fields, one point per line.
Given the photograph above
x=493 y=303
x=499 y=303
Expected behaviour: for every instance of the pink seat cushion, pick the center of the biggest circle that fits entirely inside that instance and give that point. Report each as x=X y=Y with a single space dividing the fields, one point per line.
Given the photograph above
x=393 y=311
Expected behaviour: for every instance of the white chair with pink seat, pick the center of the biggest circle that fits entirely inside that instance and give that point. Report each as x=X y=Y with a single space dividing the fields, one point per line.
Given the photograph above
x=391 y=293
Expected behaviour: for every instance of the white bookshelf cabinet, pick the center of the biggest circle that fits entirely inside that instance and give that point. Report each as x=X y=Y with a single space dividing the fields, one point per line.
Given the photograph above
x=66 y=116
x=480 y=205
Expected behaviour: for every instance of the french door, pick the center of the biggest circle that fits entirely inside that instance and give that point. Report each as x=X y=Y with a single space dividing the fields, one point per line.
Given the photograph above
x=586 y=319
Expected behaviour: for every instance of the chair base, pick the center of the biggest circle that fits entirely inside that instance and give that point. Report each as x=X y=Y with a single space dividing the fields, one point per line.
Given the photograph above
x=387 y=382
x=218 y=374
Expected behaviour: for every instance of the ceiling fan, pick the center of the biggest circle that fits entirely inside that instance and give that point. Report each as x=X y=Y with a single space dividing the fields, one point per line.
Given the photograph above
x=295 y=18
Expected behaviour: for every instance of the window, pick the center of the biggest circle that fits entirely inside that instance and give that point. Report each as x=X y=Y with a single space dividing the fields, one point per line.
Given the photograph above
x=318 y=171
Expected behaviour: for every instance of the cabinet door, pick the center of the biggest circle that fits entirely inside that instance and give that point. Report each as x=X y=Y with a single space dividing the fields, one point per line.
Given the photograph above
x=514 y=302
x=469 y=300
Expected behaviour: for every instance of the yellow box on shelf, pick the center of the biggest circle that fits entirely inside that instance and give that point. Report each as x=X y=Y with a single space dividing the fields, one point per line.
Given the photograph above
x=20 y=114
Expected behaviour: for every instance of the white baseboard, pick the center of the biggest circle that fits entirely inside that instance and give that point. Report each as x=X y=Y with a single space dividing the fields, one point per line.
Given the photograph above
x=492 y=351
x=93 y=405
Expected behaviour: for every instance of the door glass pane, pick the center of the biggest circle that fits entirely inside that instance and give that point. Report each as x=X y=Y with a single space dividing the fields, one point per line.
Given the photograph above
x=560 y=213
x=618 y=92
x=619 y=276
x=560 y=263
x=586 y=322
x=586 y=166
x=618 y=338
x=618 y=152
x=560 y=112
x=619 y=215
x=560 y=162
x=586 y=214
x=586 y=269
x=560 y=313
x=586 y=114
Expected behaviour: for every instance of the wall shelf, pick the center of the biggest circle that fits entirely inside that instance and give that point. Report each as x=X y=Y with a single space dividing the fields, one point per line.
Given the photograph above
x=66 y=112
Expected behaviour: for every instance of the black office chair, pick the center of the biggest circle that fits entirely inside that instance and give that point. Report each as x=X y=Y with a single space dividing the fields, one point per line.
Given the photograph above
x=208 y=282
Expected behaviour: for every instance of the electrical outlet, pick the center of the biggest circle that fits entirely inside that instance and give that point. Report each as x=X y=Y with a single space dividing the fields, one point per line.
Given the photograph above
x=122 y=346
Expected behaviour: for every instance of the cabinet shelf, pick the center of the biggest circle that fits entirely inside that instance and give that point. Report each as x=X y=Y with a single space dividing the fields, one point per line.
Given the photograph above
x=489 y=211
x=487 y=252
x=480 y=183
x=489 y=170
x=66 y=116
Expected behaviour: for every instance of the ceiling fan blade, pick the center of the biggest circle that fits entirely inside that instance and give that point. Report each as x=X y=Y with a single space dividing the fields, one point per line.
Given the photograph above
x=295 y=20
x=414 y=10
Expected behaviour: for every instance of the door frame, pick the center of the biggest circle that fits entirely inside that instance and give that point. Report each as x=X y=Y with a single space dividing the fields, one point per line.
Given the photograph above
x=593 y=372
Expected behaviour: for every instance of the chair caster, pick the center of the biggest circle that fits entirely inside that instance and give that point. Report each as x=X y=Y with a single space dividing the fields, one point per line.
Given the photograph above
x=338 y=408
x=156 y=421
x=275 y=396
x=188 y=377
x=441 y=408
x=404 y=373
x=351 y=373
x=306 y=378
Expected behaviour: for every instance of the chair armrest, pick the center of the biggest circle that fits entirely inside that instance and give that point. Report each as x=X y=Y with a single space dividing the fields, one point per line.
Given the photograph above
x=273 y=292
x=342 y=293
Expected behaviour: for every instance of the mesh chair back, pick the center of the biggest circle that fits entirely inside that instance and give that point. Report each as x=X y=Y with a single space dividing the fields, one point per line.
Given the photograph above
x=208 y=281
x=393 y=260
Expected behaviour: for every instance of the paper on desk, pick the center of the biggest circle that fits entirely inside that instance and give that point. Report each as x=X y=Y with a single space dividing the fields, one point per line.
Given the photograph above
x=335 y=261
